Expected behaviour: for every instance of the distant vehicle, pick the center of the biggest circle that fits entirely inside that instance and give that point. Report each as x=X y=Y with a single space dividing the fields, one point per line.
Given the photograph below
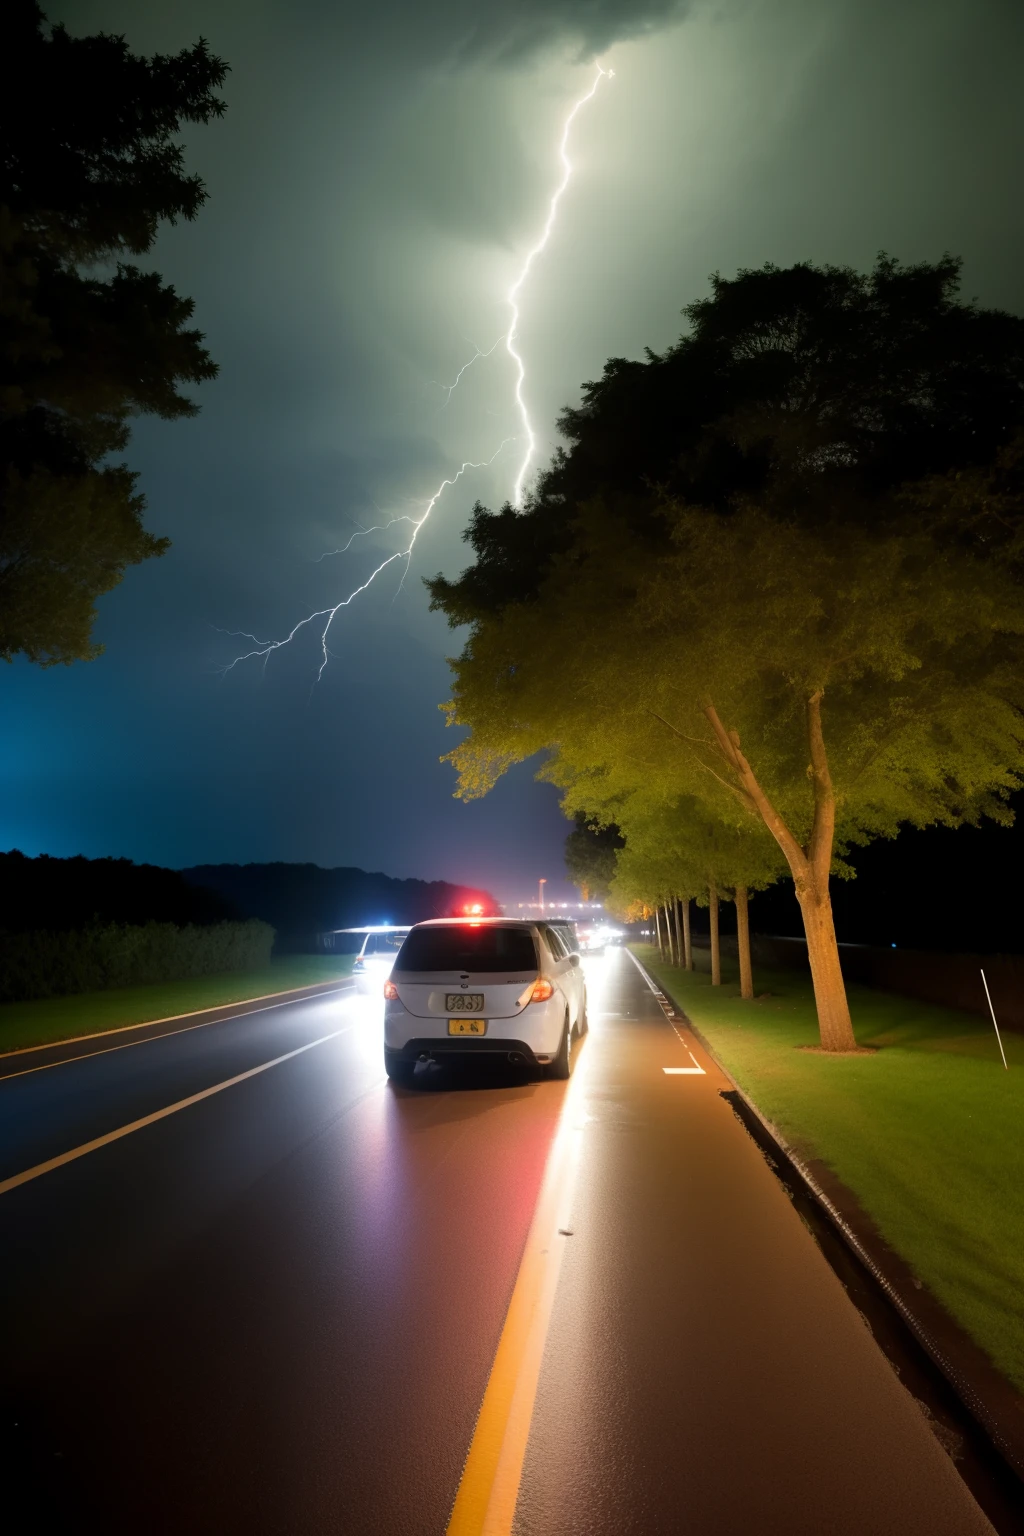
x=372 y=966
x=597 y=936
x=504 y=987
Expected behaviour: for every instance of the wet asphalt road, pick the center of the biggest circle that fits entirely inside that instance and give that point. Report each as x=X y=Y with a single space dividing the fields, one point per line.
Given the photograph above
x=275 y=1310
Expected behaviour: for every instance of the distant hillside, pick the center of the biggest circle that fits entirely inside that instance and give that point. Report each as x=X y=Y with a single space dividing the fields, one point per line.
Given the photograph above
x=60 y=895
x=303 y=900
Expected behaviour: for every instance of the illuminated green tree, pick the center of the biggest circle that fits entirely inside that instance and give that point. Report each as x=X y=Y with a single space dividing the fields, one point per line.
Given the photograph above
x=676 y=853
x=827 y=683
x=774 y=571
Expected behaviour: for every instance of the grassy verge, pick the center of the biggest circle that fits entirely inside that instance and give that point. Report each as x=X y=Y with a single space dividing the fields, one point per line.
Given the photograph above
x=928 y=1133
x=62 y=1018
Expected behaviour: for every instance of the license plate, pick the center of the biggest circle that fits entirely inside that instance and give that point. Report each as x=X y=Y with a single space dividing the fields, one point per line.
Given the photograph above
x=467 y=1026
x=464 y=1002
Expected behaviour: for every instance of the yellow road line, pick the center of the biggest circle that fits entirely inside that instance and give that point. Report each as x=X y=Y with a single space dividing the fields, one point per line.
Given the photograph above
x=161 y=1114
x=486 y=1500
x=129 y=1045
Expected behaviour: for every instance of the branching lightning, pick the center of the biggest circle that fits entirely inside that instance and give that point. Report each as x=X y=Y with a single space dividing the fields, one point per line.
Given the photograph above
x=323 y=618
x=450 y=389
x=361 y=533
x=266 y=648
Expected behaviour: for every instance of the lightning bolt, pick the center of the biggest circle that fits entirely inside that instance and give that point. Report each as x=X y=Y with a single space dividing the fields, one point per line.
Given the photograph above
x=324 y=617
x=512 y=297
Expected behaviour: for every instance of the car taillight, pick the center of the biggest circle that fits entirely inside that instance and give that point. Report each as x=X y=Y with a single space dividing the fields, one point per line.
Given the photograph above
x=390 y=992
x=542 y=990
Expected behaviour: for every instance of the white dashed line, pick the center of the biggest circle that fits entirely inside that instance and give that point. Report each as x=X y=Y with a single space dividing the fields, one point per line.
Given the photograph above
x=667 y=1009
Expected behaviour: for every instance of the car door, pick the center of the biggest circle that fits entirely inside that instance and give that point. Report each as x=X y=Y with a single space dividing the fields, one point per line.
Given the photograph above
x=565 y=971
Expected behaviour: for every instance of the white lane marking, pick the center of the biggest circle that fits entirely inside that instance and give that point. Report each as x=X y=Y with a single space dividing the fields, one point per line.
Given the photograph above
x=161 y=1114
x=287 y=996
x=168 y=1034
x=695 y=1070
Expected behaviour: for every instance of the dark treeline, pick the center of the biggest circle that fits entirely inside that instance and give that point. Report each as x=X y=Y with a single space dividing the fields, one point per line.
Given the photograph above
x=967 y=893
x=59 y=895
x=303 y=901
x=300 y=901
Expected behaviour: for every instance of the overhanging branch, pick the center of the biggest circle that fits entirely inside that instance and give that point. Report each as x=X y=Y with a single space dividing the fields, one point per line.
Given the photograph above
x=729 y=743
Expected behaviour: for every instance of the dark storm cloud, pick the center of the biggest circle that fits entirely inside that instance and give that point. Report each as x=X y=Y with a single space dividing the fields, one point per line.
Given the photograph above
x=505 y=32
x=509 y=31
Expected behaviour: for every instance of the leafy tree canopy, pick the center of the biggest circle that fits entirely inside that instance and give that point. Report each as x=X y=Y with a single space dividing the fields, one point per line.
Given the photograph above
x=916 y=650
x=91 y=165
x=675 y=849
x=872 y=680
x=817 y=391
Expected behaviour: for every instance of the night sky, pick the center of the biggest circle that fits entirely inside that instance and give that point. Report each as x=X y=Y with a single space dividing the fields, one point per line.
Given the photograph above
x=373 y=186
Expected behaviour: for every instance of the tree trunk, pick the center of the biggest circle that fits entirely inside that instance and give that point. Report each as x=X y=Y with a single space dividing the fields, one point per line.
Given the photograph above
x=826 y=972
x=743 y=942
x=657 y=929
x=687 y=946
x=680 y=937
x=673 y=936
x=810 y=868
x=716 y=950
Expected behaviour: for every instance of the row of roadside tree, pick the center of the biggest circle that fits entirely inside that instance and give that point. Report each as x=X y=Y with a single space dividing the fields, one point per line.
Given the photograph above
x=766 y=605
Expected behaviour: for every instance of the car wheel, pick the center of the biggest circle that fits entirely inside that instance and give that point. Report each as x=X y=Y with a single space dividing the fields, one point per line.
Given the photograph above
x=561 y=1065
x=397 y=1067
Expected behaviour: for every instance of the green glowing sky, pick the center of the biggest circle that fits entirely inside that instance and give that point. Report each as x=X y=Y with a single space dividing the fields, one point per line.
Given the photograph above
x=372 y=189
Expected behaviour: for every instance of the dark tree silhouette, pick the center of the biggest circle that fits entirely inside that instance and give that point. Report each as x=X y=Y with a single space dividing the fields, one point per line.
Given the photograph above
x=590 y=851
x=804 y=387
x=90 y=167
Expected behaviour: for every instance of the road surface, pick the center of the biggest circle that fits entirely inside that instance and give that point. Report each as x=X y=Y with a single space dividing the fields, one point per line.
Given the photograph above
x=270 y=1293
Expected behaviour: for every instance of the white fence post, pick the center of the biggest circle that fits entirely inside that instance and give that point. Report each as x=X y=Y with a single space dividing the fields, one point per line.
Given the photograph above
x=993 y=1013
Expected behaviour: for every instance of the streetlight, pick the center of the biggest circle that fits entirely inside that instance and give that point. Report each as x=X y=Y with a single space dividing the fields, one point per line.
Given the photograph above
x=540 y=892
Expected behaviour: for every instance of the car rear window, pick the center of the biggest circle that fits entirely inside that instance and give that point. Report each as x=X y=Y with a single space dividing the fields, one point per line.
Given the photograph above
x=463 y=947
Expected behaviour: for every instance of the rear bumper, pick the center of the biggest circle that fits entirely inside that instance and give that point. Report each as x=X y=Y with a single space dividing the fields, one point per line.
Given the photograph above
x=432 y=1047
x=534 y=1033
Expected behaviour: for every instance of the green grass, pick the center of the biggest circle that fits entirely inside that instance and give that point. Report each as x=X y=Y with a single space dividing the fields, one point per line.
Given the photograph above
x=63 y=1018
x=928 y=1133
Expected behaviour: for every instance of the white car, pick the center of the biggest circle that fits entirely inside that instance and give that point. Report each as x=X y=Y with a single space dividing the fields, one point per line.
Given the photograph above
x=494 y=985
x=372 y=966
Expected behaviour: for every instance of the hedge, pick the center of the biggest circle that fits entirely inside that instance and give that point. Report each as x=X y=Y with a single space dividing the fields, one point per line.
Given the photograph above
x=42 y=964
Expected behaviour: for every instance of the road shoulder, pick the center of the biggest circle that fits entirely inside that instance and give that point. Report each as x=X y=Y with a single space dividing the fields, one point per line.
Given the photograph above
x=983 y=1391
x=705 y=1370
